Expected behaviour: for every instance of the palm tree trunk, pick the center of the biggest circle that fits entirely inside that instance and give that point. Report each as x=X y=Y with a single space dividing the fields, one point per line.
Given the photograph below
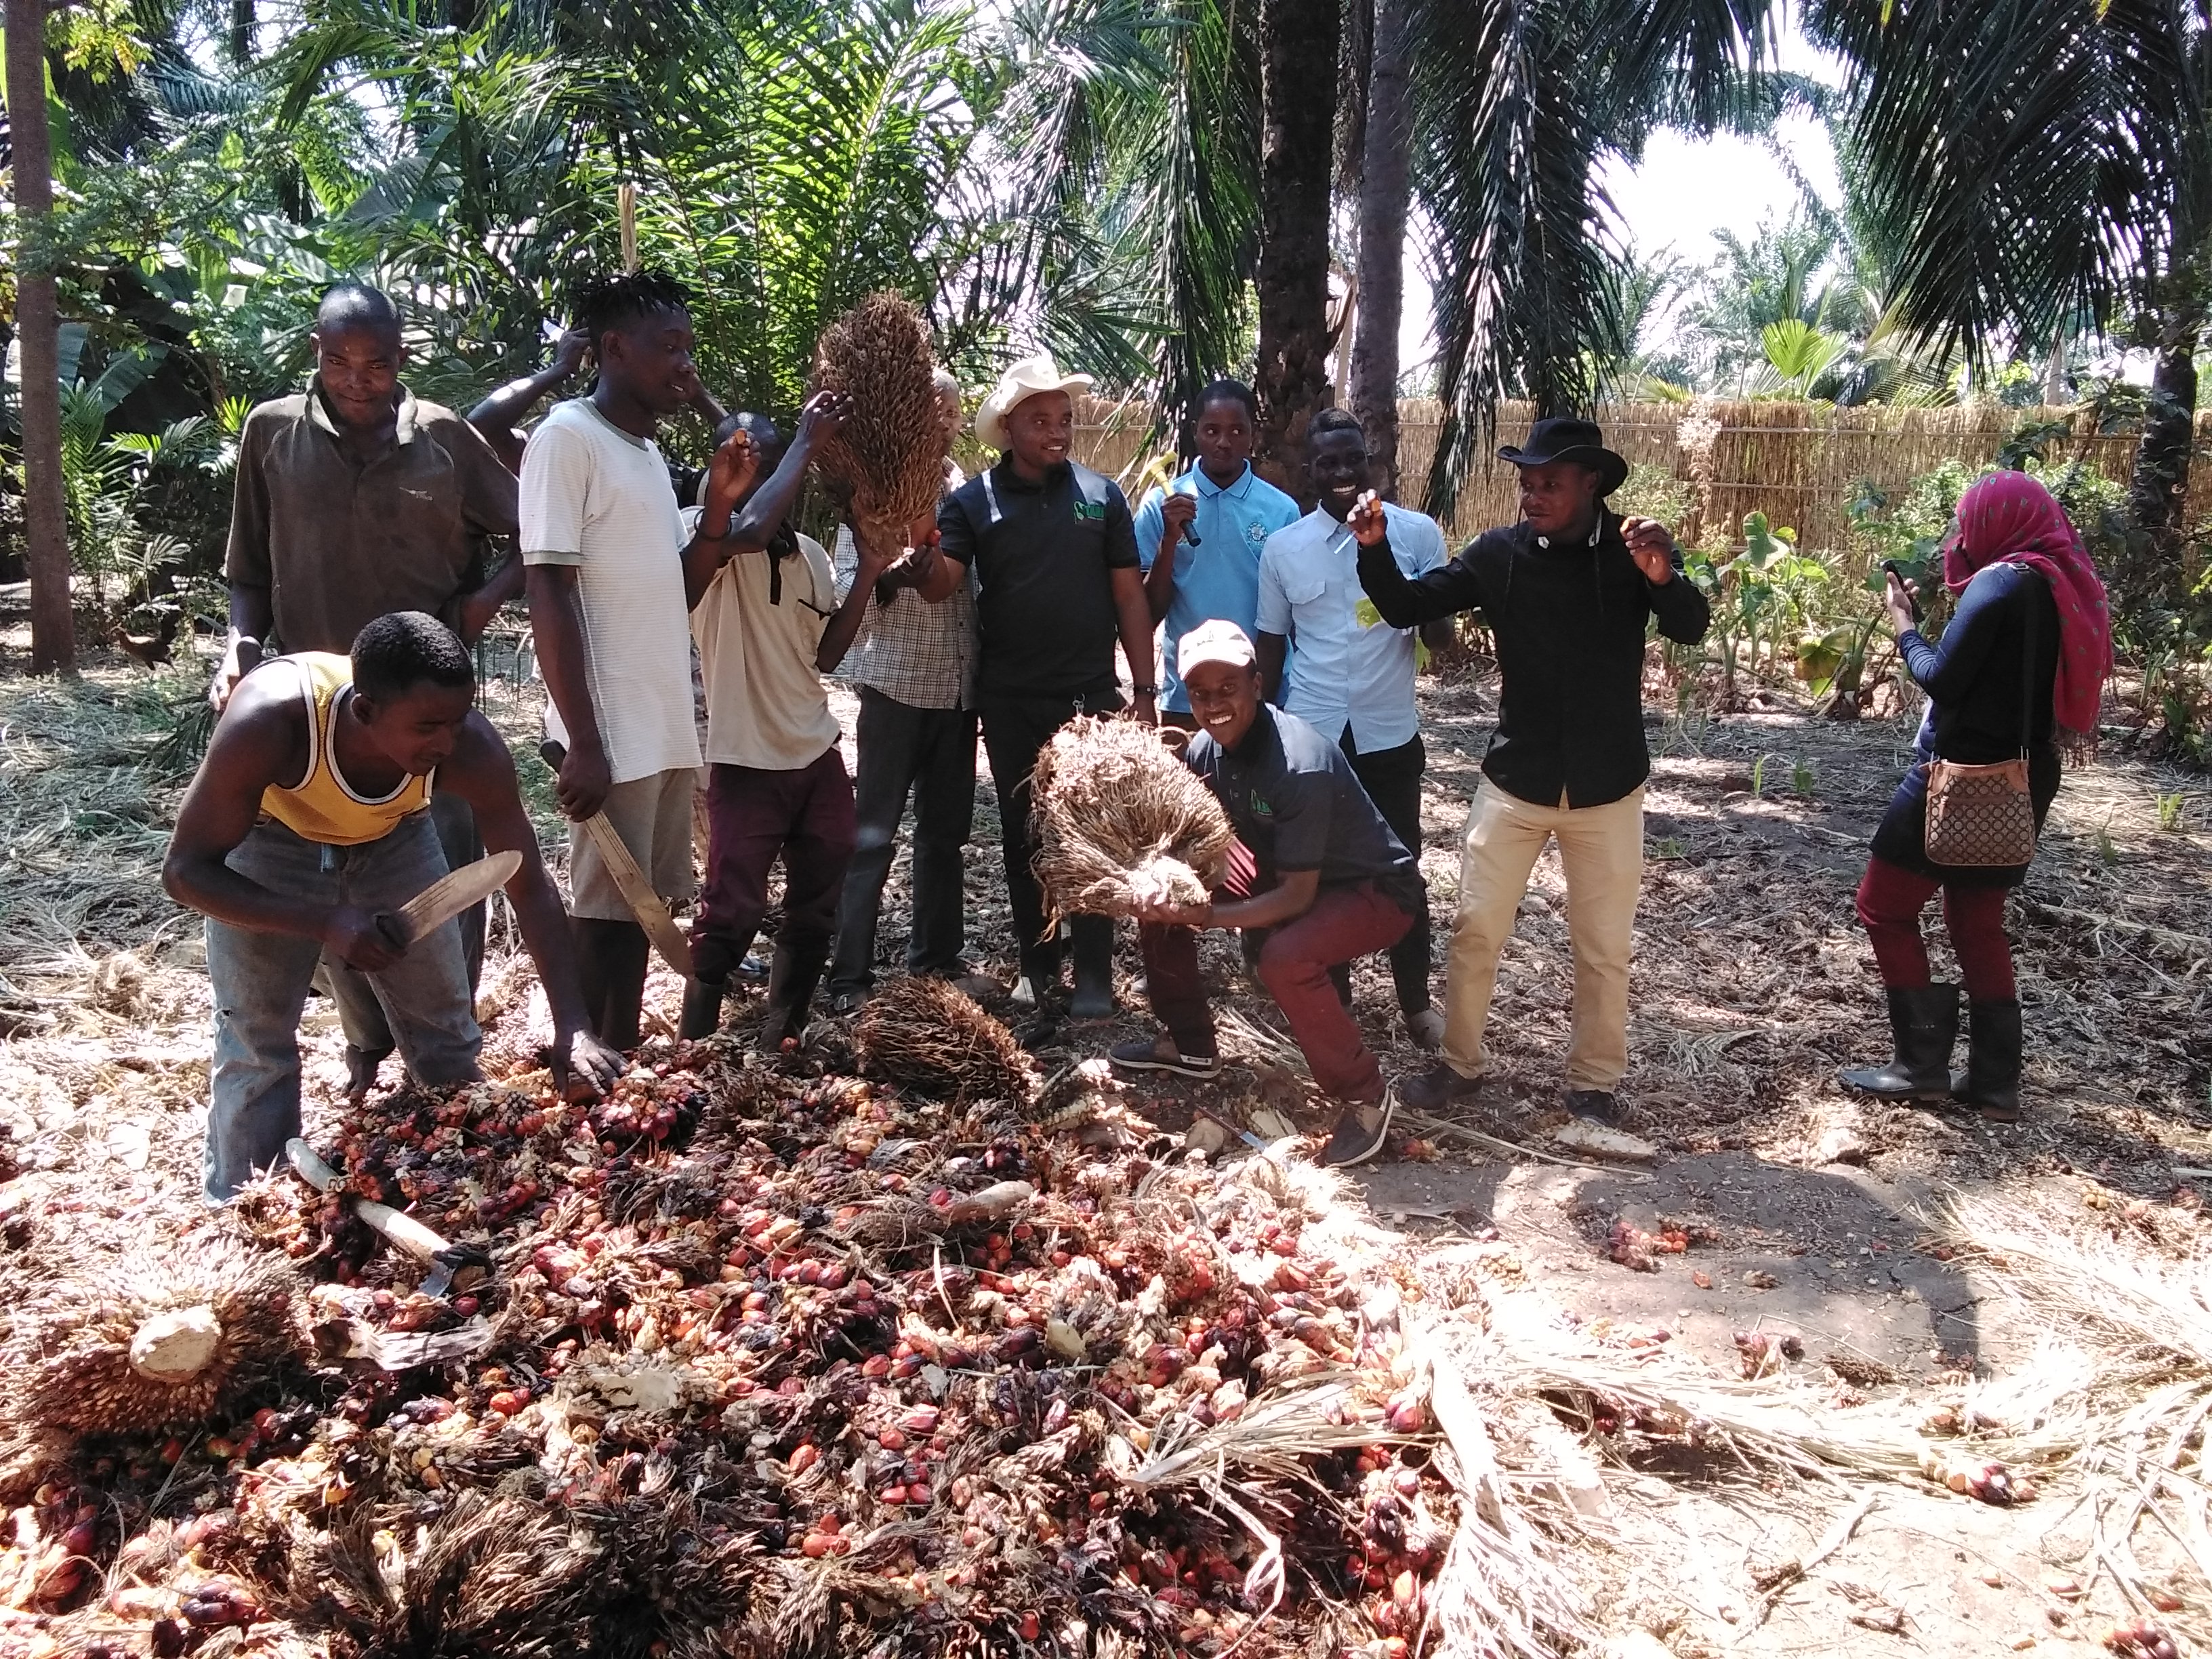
x=1385 y=190
x=1298 y=79
x=2158 y=492
x=37 y=324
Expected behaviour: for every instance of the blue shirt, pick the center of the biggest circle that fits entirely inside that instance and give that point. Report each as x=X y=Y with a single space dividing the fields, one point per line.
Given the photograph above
x=1217 y=580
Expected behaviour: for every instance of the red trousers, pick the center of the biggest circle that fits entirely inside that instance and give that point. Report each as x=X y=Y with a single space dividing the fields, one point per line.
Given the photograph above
x=1890 y=901
x=753 y=816
x=1344 y=923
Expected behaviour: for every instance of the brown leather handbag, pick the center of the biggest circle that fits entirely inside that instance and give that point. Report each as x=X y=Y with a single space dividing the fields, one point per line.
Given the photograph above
x=1984 y=817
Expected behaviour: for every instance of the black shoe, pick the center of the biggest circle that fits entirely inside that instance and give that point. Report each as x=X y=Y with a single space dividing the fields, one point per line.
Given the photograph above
x=702 y=1008
x=1160 y=1055
x=1991 y=1079
x=792 y=977
x=1094 y=973
x=1354 y=1142
x=1924 y=1025
x=1437 y=1086
x=1595 y=1106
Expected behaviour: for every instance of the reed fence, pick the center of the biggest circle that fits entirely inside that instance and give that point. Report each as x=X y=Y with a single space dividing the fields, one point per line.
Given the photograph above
x=1800 y=463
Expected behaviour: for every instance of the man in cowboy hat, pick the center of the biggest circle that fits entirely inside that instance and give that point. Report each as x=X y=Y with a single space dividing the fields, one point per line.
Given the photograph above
x=1567 y=593
x=1058 y=580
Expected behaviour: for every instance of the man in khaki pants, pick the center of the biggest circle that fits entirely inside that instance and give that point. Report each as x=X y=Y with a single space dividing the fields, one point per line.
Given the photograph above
x=1567 y=593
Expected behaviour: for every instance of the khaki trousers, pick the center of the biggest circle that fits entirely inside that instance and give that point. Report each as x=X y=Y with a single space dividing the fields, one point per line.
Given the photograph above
x=1602 y=850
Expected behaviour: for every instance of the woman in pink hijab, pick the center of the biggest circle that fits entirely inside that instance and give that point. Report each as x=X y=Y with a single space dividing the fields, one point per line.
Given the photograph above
x=2025 y=587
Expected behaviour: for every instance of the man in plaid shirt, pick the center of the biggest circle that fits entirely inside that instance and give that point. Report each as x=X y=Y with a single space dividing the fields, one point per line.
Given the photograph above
x=914 y=664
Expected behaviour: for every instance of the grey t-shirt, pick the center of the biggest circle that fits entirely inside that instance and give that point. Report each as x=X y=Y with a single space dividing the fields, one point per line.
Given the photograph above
x=1294 y=800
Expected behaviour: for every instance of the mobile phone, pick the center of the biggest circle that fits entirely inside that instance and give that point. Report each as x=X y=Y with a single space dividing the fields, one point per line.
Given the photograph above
x=1897 y=570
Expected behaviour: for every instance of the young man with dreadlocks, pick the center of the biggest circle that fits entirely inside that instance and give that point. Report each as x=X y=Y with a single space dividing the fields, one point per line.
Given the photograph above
x=603 y=545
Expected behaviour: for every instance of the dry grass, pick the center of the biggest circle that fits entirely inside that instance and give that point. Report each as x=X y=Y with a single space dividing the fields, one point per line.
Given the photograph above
x=1797 y=462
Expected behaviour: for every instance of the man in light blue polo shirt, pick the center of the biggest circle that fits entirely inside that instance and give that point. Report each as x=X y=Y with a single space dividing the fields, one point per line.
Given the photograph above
x=1328 y=657
x=1200 y=537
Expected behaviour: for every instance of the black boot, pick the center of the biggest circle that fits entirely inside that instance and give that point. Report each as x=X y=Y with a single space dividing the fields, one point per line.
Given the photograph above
x=1991 y=1079
x=702 y=1008
x=610 y=961
x=1924 y=1024
x=1094 y=967
x=792 y=978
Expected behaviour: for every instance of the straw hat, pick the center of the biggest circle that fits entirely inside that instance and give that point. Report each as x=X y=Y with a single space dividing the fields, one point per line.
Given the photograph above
x=1018 y=384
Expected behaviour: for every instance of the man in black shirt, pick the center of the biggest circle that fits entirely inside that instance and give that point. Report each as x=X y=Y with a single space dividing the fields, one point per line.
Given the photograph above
x=1313 y=867
x=1567 y=594
x=1055 y=554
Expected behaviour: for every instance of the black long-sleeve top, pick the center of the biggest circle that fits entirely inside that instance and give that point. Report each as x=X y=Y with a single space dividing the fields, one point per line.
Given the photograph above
x=1570 y=623
x=1973 y=678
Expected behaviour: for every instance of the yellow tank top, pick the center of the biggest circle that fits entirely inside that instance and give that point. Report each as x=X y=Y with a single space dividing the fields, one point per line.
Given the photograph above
x=323 y=806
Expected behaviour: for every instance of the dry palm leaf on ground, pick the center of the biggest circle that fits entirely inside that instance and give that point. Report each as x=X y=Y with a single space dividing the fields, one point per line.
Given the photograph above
x=1120 y=822
x=888 y=456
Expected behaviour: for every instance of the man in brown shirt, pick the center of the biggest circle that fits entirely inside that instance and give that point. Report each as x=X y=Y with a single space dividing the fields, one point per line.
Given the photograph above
x=354 y=500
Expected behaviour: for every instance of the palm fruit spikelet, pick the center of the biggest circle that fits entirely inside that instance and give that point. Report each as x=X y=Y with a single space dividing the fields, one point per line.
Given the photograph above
x=890 y=454
x=1121 y=823
x=930 y=1036
x=154 y=1337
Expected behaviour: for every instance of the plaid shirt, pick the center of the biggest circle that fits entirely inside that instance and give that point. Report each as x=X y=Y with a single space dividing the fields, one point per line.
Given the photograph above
x=912 y=650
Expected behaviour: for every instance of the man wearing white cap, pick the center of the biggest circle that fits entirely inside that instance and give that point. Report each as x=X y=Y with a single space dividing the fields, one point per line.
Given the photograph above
x=1313 y=867
x=1055 y=556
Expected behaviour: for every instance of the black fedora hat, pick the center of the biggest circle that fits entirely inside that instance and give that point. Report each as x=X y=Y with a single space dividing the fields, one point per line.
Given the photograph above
x=1563 y=438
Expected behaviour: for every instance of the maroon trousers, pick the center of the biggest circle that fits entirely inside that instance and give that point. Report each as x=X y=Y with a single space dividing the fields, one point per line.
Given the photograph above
x=1890 y=901
x=752 y=816
x=1344 y=924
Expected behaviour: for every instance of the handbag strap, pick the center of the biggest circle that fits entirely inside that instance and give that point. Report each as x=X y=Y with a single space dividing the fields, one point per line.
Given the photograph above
x=2027 y=668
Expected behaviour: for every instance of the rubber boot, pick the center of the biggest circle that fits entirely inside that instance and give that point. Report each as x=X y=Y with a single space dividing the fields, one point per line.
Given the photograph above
x=1094 y=967
x=1991 y=1079
x=792 y=979
x=1039 y=987
x=614 y=956
x=702 y=1008
x=1924 y=1025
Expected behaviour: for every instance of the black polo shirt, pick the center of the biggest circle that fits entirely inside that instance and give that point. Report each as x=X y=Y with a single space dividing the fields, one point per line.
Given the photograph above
x=1570 y=623
x=1295 y=801
x=1044 y=556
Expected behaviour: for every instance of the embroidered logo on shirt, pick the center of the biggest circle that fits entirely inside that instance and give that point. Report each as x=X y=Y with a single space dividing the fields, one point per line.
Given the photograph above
x=1261 y=809
x=1092 y=510
x=1255 y=533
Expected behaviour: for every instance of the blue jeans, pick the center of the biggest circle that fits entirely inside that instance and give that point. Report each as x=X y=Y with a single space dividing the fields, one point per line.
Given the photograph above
x=260 y=982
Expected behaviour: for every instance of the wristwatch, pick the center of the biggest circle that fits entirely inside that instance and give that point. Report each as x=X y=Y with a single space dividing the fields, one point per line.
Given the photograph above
x=1144 y=690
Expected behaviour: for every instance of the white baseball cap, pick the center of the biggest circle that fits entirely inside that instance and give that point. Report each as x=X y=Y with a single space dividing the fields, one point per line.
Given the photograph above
x=1214 y=641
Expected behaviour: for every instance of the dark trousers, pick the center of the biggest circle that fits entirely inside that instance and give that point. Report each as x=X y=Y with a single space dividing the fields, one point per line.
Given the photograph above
x=752 y=816
x=1296 y=961
x=1015 y=731
x=930 y=752
x=1890 y=901
x=1392 y=778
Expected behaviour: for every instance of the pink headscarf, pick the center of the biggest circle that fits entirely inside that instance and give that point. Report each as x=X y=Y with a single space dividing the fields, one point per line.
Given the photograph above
x=2009 y=518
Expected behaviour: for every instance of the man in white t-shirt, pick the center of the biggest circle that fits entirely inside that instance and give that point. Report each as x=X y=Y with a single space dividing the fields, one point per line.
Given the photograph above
x=766 y=617
x=603 y=548
x=1326 y=656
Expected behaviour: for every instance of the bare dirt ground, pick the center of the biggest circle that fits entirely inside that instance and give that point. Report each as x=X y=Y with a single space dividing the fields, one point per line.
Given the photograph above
x=1805 y=1213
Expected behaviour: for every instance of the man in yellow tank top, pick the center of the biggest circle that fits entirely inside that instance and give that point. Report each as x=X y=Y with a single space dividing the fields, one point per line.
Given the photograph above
x=307 y=827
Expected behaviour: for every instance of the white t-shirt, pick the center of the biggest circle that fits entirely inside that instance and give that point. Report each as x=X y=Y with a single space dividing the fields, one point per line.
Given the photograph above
x=1346 y=667
x=595 y=497
x=759 y=625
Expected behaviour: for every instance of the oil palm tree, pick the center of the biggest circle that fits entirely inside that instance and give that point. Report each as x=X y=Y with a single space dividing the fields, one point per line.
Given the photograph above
x=2029 y=164
x=1521 y=101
